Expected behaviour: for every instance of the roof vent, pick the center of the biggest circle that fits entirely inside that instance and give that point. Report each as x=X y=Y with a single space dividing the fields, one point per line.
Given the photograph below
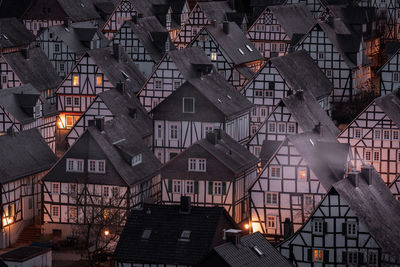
x=185 y=236
x=66 y=23
x=299 y=94
x=225 y=27
x=214 y=23
x=132 y=113
x=146 y=234
x=367 y=174
x=120 y=87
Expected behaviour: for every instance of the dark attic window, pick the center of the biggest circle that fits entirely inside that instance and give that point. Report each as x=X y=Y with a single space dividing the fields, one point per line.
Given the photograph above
x=146 y=234
x=185 y=236
x=188 y=104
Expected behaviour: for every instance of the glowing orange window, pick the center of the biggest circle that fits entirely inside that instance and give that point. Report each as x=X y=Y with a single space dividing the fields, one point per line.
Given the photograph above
x=302 y=173
x=76 y=80
x=318 y=254
x=99 y=80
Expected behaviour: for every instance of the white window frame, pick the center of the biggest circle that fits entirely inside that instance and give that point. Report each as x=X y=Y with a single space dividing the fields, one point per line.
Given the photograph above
x=96 y=163
x=351 y=229
x=359 y=131
x=176 y=186
x=377 y=134
x=291 y=125
x=320 y=253
x=318 y=226
x=69 y=101
x=74 y=103
x=173 y=133
x=271 y=198
x=197 y=165
x=273 y=169
x=283 y=126
x=271 y=221
x=189 y=187
x=269 y=127
x=374 y=158
x=77 y=165
x=183 y=104
x=385 y=131
x=397 y=134
x=217 y=188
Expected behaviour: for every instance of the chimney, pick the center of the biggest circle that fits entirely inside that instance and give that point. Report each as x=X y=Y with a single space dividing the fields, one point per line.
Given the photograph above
x=354 y=178
x=140 y=15
x=120 y=87
x=134 y=19
x=211 y=138
x=287 y=229
x=116 y=52
x=299 y=94
x=66 y=23
x=233 y=236
x=289 y=92
x=317 y=128
x=367 y=174
x=10 y=131
x=25 y=52
x=185 y=205
x=214 y=23
x=100 y=124
x=225 y=27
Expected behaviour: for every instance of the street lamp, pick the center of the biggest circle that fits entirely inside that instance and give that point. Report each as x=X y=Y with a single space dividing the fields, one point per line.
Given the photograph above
x=106 y=232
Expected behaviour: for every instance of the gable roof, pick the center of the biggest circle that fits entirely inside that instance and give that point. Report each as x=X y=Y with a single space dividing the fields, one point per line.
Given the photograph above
x=268 y=149
x=294 y=19
x=390 y=104
x=309 y=113
x=35 y=69
x=23 y=254
x=232 y=154
x=301 y=72
x=18 y=100
x=13 y=33
x=22 y=154
x=244 y=253
x=325 y=156
x=232 y=41
x=114 y=69
x=166 y=223
x=373 y=203
x=118 y=143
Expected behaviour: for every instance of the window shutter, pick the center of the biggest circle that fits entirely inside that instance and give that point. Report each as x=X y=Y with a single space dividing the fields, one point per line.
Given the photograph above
x=196 y=187
x=169 y=189
x=309 y=255
x=360 y=258
x=224 y=188
x=210 y=188
x=326 y=256
x=325 y=228
x=344 y=228
x=344 y=257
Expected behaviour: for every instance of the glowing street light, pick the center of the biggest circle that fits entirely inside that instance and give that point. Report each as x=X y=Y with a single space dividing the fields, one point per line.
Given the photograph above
x=106 y=232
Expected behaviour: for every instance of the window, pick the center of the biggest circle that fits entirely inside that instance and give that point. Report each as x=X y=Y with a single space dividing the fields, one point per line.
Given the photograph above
x=74 y=165
x=114 y=191
x=217 y=188
x=395 y=135
x=367 y=155
x=269 y=93
x=72 y=188
x=189 y=187
x=99 y=80
x=96 y=166
x=146 y=234
x=57 y=48
x=61 y=67
x=194 y=31
x=320 y=55
x=372 y=258
x=377 y=156
x=351 y=229
x=291 y=128
x=281 y=128
x=386 y=134
x=106 y=192
x=136 y=159
x=377 y=134
x=176 y=188
x=329 y=73
x=271 y=199
x=3 y=79
x=69 y=121
x=263 y=112
x=158 y=84
x=253 y=129
x=357 y=133
x=249 y=48
x=159 y=131
x=275 y=172
x=318 y=255
x=177 y=84
x=173 y=131
x=56 y=188
x=72 y=212
x=258 y=93
x=272 y=127
x=77 y=101
x=302 y=173
x=395 y=77
x=318 y=226
x=75 y=81
x=271 y=222
x=208 y=129
x=308 y=201
x=273 y=47
x=188 y=104
x=68 y=101
x=213 y=56
x=55 y=211
x=281 y=47
x=185 y=235
x=352 y=257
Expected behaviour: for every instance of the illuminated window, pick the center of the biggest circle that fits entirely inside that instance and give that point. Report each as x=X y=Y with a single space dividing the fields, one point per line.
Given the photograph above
x=72 y=212
x=99 y=80
x=106 y=213
x=302 y=173
x=318 y=255
x=271 y=222
x=75 y=80
x=213 y=56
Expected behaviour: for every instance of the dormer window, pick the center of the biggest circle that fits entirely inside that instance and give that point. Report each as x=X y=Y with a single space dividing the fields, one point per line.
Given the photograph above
x=136 y=160
x=185 y=236
x=188 y=104
x=96 y=166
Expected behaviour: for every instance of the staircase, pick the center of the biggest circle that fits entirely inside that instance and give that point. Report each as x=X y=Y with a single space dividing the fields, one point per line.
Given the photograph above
x=31 y=233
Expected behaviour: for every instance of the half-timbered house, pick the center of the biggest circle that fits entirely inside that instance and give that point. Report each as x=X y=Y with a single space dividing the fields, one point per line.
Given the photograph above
x=279 y=27
x=13 y=35
x=356 y=224
x=29 y=65
x=374 y=136
x=97 y=71
x=22 y=108
x=198 y=106
x=64 y=44
x=172 y=71
x=185 y=233
x=282 y=76
x=111 y=104
x=390 y=72
x=202 y=14
x=25 y=159
x=106 y=170
x=145 y=40
x=233 y=55
x=294 y=114
x=215 y=171
x=294 y=180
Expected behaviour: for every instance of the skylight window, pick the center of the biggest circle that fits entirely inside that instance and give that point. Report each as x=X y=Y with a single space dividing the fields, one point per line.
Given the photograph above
x=258 y=251
x=311 y=141
x=249 y=48
x=146 y=234
x=229 y=97
x=4 y=36
x=219 y=100
x=185 y=235
x=119 y=141
x=82 y=5
x=136 y=160
x=241 y=51
x=126 y=76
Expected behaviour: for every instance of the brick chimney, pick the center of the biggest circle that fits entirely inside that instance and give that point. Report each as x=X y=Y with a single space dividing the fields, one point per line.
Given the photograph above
x=186 y=205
